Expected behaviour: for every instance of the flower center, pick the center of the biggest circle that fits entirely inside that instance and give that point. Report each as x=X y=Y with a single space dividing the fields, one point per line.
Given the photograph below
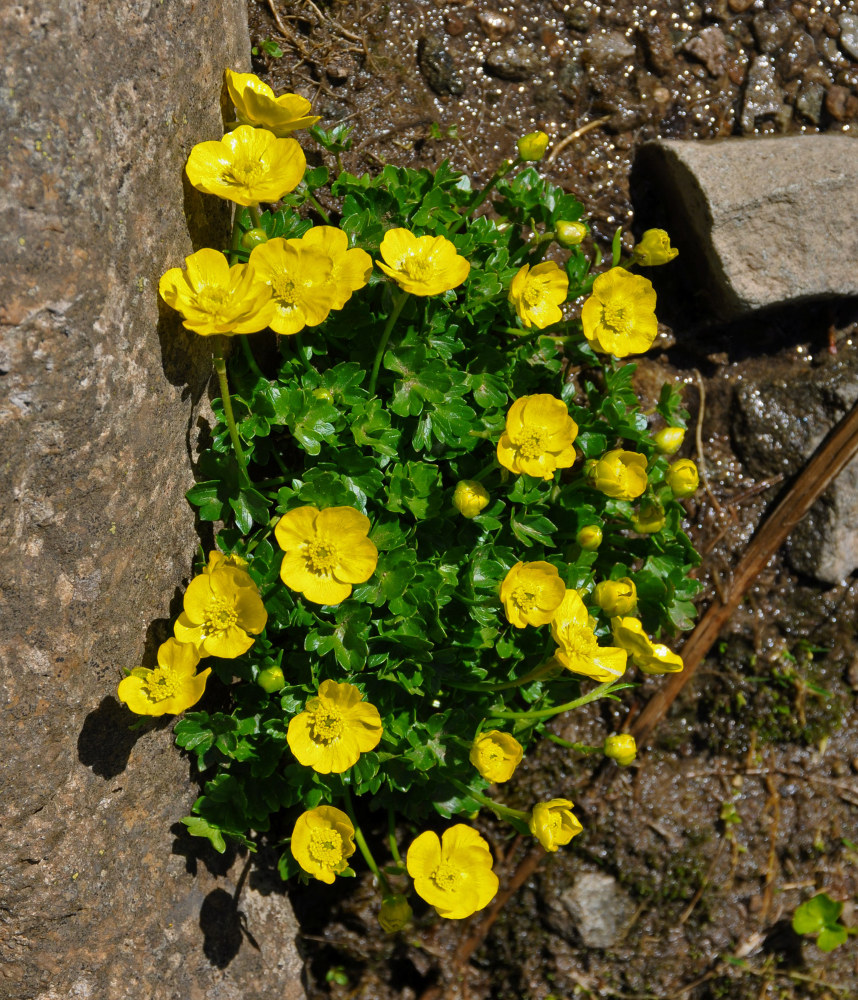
x=162 y=682
x=218 y=617
x=446 y=876
x=524 y=599
x=491 y=752
x=321 y=556
x=417 y=266
x=244 y=172
x=212 y=298
x=579 y=645
x=534 y=291
x=530 y=442
x=326 y=847
x=327 y=724
x=284 y=290
x=616 y=317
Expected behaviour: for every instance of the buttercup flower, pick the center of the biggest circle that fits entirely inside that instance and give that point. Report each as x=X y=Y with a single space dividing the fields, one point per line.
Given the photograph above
x=215 y=298
x=532 y=146
x=648 y=656
x=619 y=317
x=327 y=551
x=350 y=269
x=621 y=747
x=578 y=649
x=554 y=824
x=255 y=104
x=218 y=559
x=422 y=265
x=322 y=842
x=589 y=537
x=223 y=611
x=538 y=436
x=616 y=597
x=619 y=474
x=496 y=755
x=531 y=592
x=299 y=280
x=453 y=874
x=470 y=497
x=649 y=519
x=683 y=478
x=395 y=914
x=536 y=293
x=654 y=248
x=168 y=689
x=669 y=440
x=247 y=166
x=334 y=729
x=570 y=234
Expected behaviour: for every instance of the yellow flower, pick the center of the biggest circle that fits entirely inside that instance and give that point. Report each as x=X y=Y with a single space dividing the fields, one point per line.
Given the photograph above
x=422 y=265
x=536 y=294
x=531 y=592
x=255 y=104
x=570 y=234
x=496 y=755
x=578 y=650
x=649 y=519
x=538 y=436
x=395 y=914
x=589 y=537
x=616 y=597
x=168 y=689
x=621 y=747
x=669 y=440
x=350 y=269
x=619 y=317
x=247 y=166
x=650 y=657
x=683 y=478
x=299 y=280
x=553 y=823
x=654 y=248
x=217 y=559
x=532 y=146
x=215 y=298
x=470 y=497
x=334 y=729
x=327 y=551
x=323 y=841
x=223 y=611
x=453 y=874
x=619 y=474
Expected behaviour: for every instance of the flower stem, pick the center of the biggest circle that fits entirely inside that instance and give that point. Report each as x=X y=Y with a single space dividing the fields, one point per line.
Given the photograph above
x=391 y=836
x=249 y=358
x=602 y=691
x=499 y=174
x=253 y=212
x=577 y=747
x=220 y=369
x=398 y=304
x=362 y=845
x=503 y=811
x=315 y=203
x=235 y=241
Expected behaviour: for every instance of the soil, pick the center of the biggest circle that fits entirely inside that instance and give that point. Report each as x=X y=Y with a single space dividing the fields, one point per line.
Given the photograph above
x=747 y=802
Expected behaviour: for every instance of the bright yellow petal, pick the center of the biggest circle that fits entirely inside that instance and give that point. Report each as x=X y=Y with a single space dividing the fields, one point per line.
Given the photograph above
x=424 y=855
x=296 y=528
x=228 y=644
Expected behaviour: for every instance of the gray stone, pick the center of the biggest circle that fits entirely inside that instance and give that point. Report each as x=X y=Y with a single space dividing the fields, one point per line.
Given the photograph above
x=772 y=29
x=659 y=47
x=777 y=425
x=762 y=221
x=849 y=34
x=438 y=66
x=710 y=47
x=763 y=97
x=607 y=49
x=599 y=909
x=578 y=17
x=796 y=55
x=513 y=62
x=98 y=423
x=495 y=26
x=809 y=101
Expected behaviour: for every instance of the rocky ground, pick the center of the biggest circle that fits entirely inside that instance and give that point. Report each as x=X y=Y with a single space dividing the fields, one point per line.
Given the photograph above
x=694 y=859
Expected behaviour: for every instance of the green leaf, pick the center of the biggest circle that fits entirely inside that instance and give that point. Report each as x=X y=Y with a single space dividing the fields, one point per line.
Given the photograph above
x=199 y=827
x=831 y=938
x=815 y=914
x=249 y=506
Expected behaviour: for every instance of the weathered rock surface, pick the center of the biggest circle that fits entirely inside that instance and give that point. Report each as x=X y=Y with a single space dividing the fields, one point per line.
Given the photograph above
x=100 y=402
x=777 y=425
x=759 y=222
x=599 y=909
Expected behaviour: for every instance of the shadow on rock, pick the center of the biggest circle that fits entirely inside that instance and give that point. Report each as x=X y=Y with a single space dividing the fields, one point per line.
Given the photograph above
x=783 y=942
x=196 y=849
x=105 y=740
x=220 y=922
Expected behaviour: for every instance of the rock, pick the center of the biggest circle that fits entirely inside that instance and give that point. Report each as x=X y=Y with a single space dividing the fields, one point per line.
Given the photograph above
x=495 y=26
x=99 y=416
x=438 y=66
x=716 y=10
x=771 y=30
x=761 y=219
x=710 y=47
x=572 y=80
x=453 y=24
x=841 y=104
x=658 y=45
x=739 y=6
x=777 y=425
x=599 y=909
x=578 y=17
x=796 y=55
x=763 y=96
x=607 y=50
x=849 y=35
x=513 y=62
x=809 y=101
x=832 y=53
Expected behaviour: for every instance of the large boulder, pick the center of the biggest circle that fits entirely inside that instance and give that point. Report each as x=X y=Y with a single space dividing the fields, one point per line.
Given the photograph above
x=98 y=896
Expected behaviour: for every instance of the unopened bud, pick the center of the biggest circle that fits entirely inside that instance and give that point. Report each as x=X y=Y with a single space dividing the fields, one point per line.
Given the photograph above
x=649 y=519
x=470 y=497
x=669 y=439
x=616 y=597
x=589 y=537
x=621 y=747
x=570 y=234
x=271 y=679
x=253 y=237
x=395 y=914
x=682 y=478
x=532 y=146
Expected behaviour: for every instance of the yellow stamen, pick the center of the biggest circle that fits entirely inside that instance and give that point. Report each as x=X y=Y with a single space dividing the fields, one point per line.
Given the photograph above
x=326 y=847
x=321 y=556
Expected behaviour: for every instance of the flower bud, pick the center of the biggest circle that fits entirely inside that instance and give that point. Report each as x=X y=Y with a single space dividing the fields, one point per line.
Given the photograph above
x=470 y=497
x=569 y=234
x=395 y=914
x=669 y=439
x=682 y=478
x=619 y=474
x=271 y=679
x=654 y=248
x=649 y=519
x=532 y=146
x=589 y=537
x=616 y=597
x=322 y=393
x=621 y=747
x=253 y=237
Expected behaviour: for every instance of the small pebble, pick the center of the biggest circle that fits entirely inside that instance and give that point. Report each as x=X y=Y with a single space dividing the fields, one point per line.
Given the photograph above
x=771 y=30
x=738 y=6
x=513 y=62
x=607 y=50
x=495 y=26
x=832 y=53
x=579 y=17
x=658 y=46
x=797 y=54
x=849 y=34
x=453 y=24
x=661 y=94
x=852 y=674
x=809 y=101
x=710 y=47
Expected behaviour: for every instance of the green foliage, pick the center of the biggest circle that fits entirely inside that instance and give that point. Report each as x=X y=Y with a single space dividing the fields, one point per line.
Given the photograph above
x=820 y=917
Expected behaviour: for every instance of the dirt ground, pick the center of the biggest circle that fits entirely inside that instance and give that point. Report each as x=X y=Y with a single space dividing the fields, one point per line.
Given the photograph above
x=747 y=802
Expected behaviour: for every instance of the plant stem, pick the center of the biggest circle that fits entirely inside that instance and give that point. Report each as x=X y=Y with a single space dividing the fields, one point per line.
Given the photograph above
x=253 y=212
x=249 y=358
x=499 y=174
x=602 y=691
x=391 y=836
x=235 y=241
x=362 y=845
x=220 y=368
x=503 y=811
x=577 y=747
x=315 y=203
x=398 y=304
